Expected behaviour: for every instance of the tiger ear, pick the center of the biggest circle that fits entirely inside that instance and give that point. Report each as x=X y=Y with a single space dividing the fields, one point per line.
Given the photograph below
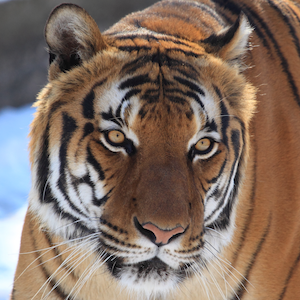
x=72 y=36
x=230 y=43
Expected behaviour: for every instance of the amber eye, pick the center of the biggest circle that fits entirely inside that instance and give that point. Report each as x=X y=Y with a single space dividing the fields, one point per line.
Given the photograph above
x=116 y=137
x=204 y=146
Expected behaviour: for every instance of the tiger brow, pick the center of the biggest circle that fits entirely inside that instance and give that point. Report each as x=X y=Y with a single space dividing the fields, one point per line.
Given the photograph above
x=109 y=116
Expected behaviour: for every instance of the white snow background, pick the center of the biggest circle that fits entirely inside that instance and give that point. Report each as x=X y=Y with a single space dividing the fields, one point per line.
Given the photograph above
x=14 y=188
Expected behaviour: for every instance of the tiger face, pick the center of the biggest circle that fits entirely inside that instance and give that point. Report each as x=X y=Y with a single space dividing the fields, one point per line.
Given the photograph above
x=141 y=151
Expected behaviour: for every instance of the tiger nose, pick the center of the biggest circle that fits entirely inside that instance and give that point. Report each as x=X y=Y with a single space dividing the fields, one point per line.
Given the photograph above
x=157 y=235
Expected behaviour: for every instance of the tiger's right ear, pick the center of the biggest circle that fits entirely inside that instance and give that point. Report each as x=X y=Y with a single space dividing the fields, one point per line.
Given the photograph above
x=231 y=43
x=72 y=36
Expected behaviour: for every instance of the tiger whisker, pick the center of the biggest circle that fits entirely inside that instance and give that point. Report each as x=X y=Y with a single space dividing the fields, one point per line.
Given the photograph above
x=87 y=274
x=231 y=266
x=63 y=252
x=85 y=254
x=200 y=278
x=223 y=263
x=215 y=231
x=222 y=276
x=40 y=256
x=84 y=277
x=214 y=279
x=45 y=186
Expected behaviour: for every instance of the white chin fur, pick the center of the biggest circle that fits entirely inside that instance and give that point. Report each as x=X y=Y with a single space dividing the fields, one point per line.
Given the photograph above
x=152 y=287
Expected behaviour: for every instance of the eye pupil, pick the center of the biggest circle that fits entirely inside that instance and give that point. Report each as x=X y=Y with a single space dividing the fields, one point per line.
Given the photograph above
x=116 y=137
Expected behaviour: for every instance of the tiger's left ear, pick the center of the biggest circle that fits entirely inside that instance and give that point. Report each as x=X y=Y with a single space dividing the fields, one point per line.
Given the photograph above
x=230 y=43
x=72 y=36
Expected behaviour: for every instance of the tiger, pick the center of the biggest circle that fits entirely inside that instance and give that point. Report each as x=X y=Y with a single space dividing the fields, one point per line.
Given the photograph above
x=165 y=156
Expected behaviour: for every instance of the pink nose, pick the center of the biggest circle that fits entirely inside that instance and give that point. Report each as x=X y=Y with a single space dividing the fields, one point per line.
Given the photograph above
x=162 y=236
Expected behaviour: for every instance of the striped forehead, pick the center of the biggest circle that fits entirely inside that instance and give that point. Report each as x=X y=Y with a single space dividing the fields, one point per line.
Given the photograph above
x=152 y=79
x=120 y=105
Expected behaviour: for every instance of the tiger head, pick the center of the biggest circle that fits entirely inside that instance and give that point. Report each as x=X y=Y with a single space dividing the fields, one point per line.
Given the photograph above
x=140 y=143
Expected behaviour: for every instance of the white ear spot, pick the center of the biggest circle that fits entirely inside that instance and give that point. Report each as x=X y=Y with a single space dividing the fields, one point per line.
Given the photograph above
x=238 y=45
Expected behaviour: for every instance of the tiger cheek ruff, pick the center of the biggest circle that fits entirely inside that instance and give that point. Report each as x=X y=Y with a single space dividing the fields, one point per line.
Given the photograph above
x=165 y=156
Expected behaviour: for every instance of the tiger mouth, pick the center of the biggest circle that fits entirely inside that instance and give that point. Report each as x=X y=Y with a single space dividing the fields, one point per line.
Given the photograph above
x=146 y=269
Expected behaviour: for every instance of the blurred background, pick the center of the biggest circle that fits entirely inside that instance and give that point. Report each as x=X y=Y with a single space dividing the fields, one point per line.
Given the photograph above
x=23 y=72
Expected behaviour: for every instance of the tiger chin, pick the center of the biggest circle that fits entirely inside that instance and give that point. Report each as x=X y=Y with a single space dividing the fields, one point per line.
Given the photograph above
x=157 y=156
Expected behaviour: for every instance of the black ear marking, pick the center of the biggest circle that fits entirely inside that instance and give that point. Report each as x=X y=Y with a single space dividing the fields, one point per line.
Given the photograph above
x=230 y=43
x=218 y=41
x=52 y=57
x=67 y=63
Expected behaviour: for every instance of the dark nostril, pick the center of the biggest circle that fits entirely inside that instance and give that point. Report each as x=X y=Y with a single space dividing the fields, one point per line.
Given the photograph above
x=149 y=234
x=156 y=235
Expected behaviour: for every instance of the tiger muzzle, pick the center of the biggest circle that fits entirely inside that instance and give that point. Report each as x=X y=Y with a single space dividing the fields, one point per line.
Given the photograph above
x=163 y=197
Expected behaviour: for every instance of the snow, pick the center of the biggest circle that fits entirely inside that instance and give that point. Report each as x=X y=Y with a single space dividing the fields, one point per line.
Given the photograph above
x=14 y=188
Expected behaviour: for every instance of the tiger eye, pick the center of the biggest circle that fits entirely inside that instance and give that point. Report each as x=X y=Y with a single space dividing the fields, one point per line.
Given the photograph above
x=203 y=144
x=116 y=137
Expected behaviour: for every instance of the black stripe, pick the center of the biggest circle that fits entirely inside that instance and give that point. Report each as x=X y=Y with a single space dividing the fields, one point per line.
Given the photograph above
x=224 y=121
x=55 y=106
x=151 y=95
x=133 y=48
x=43 y=167
x=223 y=220
x=188 y=73
x=288 y=23
x=235 y=140
x=57 y=290
x=48 y=197
x=117 y=241
x=113 y=227
x=185 y=52
x=69 y=127
x=190 y=85
x=237 y=146
x=130 y=94
x=157 y=36
x=58 y=257
x=252 y=202
x=88 y=105
x=134 y=81
x=103 y=200
x=176 y=99
x=214 y=179
x=80 y=229
x=243 y=285
x=136 y=64
x=293 y=268
x=224 y=115
x=190 y=52
x=109 y=116
x=185 y=68
x=292 y=11
x=91 y=159
x=88 y=129
x=211 y=126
